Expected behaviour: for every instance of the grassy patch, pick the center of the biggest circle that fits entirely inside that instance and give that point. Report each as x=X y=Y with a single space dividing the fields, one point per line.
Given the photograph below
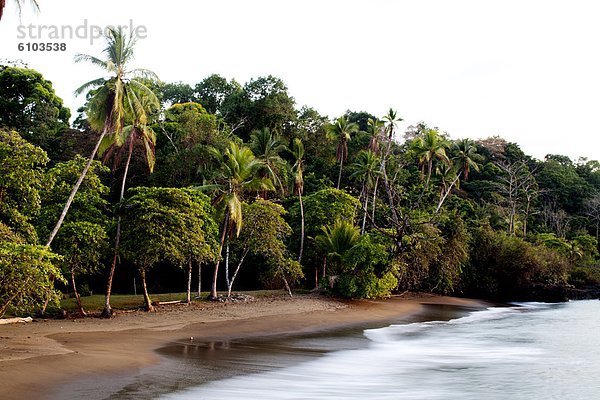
x=129 y=301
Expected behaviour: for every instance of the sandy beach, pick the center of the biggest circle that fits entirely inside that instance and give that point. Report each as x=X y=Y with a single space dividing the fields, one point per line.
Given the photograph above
x=35 y=358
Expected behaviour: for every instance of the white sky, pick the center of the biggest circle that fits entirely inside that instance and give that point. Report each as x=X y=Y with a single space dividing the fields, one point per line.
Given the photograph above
x=528 y=71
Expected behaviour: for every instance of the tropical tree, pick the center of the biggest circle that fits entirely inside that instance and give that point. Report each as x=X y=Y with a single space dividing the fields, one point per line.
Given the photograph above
x=335 y=240
x=319 y=209
x=391 y=120
x=263 y=235
x=114 y=102
x=138 y=133
x=82 y=245
x=21 y=180
x=298 y=171
x=83 y=239
x=164 y=224
x=375 y=131
x=466 y=156
x=110 y=100
x=366 y=170
x=428 y=147
x=341 y=131
x=239 y=175
x=29 y=105
x=266 y=147
x=27 y=274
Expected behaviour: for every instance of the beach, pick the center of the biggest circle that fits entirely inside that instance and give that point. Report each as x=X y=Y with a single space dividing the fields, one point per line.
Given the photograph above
x=38 y=357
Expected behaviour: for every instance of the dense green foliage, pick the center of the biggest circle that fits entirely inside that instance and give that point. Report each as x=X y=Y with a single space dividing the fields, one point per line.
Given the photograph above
x=235 y=174
x=26 y=277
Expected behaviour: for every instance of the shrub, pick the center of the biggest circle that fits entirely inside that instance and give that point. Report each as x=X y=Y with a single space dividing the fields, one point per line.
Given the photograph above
x=26 y=277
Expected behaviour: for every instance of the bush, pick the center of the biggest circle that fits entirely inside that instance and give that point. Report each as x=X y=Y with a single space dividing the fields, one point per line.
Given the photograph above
x=26 y=277
x=508 y=267
x=366 y=270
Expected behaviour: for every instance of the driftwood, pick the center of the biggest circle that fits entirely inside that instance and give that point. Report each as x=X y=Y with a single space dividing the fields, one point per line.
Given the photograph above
x=4 y=321
x=163 y=303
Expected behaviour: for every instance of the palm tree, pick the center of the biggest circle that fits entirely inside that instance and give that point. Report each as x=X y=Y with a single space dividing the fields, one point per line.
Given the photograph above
x=298 y=171
x=267 y=147
x=110 y=99
x=375 y=130
x=366 y=170
x=115 y=101
x=428 y=147
x=466 y=156
x=341 y=130
x=19 y=4
x=239 y=175
x=335 y=240
x=391 y=120
x=137 y=133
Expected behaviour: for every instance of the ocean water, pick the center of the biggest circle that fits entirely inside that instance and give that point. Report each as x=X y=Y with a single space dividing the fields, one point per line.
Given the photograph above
x=526 y=351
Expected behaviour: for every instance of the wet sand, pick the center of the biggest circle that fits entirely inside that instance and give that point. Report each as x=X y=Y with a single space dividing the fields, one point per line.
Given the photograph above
x=37 y=359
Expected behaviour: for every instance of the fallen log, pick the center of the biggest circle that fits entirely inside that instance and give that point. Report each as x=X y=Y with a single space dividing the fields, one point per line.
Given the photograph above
x=4 y=321
x=163 y=303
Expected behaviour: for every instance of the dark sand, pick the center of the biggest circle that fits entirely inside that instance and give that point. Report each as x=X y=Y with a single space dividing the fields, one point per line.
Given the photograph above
x=39 y=359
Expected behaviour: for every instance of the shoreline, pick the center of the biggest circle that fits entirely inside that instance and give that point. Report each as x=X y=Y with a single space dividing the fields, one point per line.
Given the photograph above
x=37 y=358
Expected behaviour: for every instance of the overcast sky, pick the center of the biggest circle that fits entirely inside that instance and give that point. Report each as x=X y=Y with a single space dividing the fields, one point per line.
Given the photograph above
x=528 y=71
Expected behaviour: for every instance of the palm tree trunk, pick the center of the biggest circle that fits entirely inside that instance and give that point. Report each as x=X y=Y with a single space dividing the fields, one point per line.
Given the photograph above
x=199 y=279
x=227 y=261
x=324 y=266
x=366 y=193
x=147 y=300
x=340 y=173
x=230 y=283
x=76 y=293
x=301 y=228
x=285 y=282
x=316 y=277
x=213 y=291
x=374 y=198
x=76 y=187
x=189 y=283
x=429 y=168
x=107 y=312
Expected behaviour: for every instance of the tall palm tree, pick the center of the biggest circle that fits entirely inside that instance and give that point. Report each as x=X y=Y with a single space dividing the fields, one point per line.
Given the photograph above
x=298 y=171
x=335 y=240
x=266 y=147
x=466 y=156
x=121 y=99
x=366 y=170
x=110 y=99
x=239 y=175
x=390 y=120
x=19 y=4
x=375 y=131
x=341 y=130
x=132 y=135
x=429 y=146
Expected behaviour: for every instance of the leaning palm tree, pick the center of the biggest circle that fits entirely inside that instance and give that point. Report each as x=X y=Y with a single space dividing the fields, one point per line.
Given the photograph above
x=110 y=99
x=239 y=175
x=298 y=171
x=335 y=240
x=19 y=4
x=266 y=147
x=466 y=156
x=428 y=147
x=341 y=130
x=366 y=171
